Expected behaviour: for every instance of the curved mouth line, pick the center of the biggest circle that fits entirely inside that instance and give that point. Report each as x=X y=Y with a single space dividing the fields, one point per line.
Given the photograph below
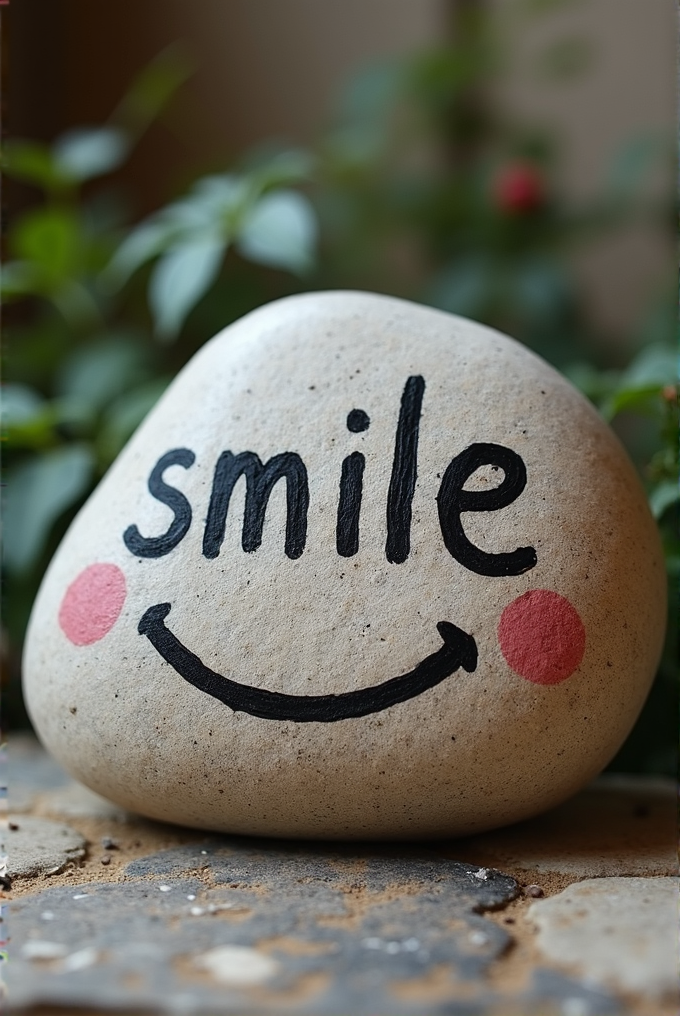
x=459 y=650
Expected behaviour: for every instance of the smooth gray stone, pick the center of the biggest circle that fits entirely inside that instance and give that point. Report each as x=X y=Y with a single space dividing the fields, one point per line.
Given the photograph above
x=330 y=931
x=37 y=846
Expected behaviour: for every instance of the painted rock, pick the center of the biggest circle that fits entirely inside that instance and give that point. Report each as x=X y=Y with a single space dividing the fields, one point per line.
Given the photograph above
x=366 y=570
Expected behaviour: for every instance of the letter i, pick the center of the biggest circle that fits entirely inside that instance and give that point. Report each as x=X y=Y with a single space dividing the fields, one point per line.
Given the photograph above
x=351 y=489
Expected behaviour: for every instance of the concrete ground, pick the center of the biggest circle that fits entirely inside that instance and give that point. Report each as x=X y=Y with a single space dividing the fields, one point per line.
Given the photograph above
x=573 y=913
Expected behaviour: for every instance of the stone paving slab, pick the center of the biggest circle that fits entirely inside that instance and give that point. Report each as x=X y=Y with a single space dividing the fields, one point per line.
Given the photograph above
x=160 y=919
x=37 y=846
x=618 y=932
x=268 y=922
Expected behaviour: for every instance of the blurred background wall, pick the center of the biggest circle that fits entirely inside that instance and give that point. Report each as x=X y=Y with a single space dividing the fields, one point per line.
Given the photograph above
x=273 y=68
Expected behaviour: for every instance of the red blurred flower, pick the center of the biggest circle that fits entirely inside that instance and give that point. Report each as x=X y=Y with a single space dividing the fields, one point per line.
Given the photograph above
x=518 y=188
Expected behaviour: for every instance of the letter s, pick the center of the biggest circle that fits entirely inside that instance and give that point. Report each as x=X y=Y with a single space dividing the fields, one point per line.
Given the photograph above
x=157 y=546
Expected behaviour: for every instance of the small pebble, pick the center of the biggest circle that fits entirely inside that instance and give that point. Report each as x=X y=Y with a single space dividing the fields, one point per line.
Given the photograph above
x=534 y=891
x=482 y=874
x=80 y=896
x=191 y=896
x=13 y=827
x=109 y=844
x=106 y=859
x=165 y=888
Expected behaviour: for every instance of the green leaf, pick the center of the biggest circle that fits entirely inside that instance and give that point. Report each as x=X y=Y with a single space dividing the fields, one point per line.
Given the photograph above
x=222 y=195
x=180 y=279
x=282 y=168
x=50 y=239
x=153 y=88
x=45 y=428
x=20 y=278
x=663 y=496
x=596 y=384
x=124 y=416
x=38 y=492
x=90 y=151
x=31 y=162
x=142 y=244
x=97 y=373
x=642 y=399
x=281 y=232
x=655 y=365
x=20 y=403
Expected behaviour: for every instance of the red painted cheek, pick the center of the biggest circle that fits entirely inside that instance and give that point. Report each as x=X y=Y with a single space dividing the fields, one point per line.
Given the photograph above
x=542 y=637
x=92 y=604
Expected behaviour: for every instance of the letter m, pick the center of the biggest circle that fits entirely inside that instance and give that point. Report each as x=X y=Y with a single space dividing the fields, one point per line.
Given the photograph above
x=259 y=482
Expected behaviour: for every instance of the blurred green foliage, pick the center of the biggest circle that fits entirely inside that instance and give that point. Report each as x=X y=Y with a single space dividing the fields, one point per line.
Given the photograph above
x=421 y=188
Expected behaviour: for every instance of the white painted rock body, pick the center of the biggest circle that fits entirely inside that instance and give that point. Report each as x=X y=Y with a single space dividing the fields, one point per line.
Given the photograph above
x=437 y=608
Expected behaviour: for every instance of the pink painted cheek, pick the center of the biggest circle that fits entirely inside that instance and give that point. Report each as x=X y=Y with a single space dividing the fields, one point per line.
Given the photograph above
x=92 y=604
x=542 y=637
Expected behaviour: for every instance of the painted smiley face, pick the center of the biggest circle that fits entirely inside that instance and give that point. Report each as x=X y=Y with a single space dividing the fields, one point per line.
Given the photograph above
x=540 y=633
x=365 y=570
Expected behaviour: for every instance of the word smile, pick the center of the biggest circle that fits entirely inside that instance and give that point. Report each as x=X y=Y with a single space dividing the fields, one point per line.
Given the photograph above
x=452 y=499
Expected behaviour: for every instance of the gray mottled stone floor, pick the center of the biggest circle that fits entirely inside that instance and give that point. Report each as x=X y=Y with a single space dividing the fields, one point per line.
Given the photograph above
x=569 y=914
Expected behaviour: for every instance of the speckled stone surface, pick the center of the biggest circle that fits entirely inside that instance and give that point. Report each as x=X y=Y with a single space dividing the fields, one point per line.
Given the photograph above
x=283 y=922
x=616 y=932
x=444 y=617
x=161 y=919
x=35 y=846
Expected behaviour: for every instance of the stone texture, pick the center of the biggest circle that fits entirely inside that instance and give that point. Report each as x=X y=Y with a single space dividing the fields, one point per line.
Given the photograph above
x=617 y=932
x=315 y=930
x=559 y=582
x=36 y=846
x=620 y=825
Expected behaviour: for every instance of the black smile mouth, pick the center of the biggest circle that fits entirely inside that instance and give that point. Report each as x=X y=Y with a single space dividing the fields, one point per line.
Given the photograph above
x=459 y=650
